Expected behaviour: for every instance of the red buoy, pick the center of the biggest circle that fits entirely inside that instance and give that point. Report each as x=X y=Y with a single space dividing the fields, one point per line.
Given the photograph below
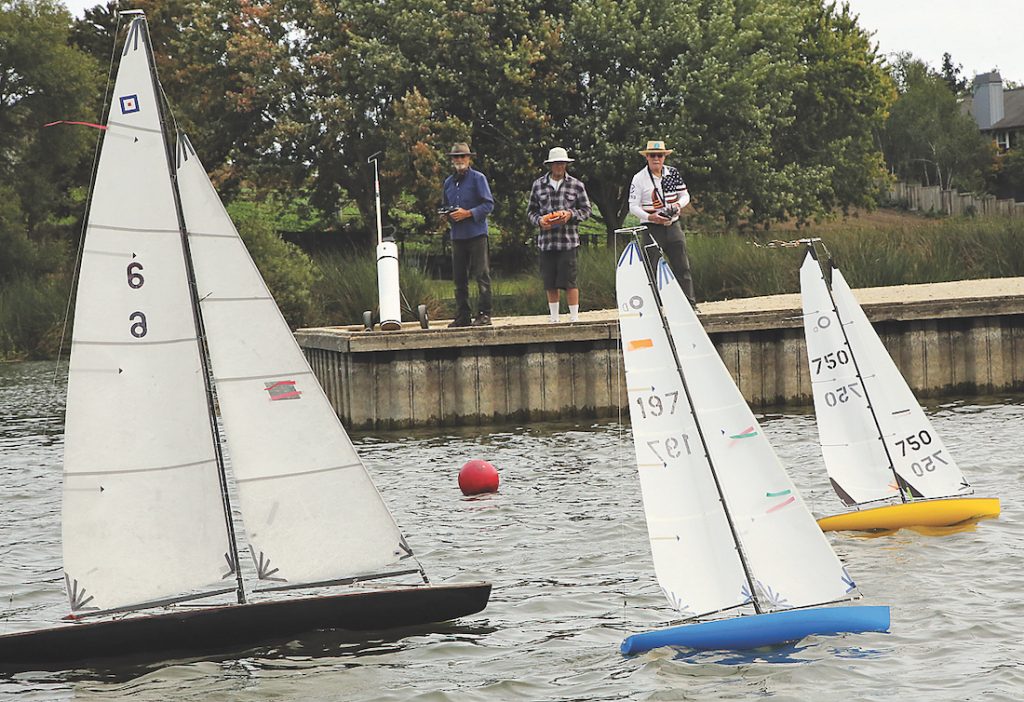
x=477 y=477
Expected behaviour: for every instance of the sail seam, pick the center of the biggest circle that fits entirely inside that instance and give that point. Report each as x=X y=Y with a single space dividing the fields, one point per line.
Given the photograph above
x=237 y=379
x=127 y=471
x=133 y=230
x=297 y=474
x=132 y=343
x=210 y=235
x=237 y=299
x=112 y=123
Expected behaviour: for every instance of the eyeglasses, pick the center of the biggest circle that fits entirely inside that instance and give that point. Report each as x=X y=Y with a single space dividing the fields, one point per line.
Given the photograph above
x=655 y=155
x=455 y=158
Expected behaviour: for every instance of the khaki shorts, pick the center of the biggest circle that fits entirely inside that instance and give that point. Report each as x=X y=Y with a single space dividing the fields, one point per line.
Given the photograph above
x=558 y=269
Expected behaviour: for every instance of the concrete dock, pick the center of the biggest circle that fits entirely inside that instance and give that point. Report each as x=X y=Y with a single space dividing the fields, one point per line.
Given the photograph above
x=960 y=338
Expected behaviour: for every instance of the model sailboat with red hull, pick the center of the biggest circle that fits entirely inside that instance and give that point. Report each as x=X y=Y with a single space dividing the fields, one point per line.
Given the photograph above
x=173 y=321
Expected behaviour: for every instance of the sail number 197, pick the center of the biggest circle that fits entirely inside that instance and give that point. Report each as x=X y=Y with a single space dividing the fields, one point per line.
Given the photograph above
x=655 y=406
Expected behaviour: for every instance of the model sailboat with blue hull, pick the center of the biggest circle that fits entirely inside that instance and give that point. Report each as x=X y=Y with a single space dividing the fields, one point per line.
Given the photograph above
x=173 y=322
x=882 y=453
x=735 y=550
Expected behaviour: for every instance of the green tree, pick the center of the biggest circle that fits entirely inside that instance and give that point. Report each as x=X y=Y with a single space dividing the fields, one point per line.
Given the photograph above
x=771 y=106
x=42 y=80
x=232 y=86
x=490 y=73
x=927 y=138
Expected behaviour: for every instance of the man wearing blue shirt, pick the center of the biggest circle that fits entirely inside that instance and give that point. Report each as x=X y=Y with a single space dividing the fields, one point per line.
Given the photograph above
x=468 y=201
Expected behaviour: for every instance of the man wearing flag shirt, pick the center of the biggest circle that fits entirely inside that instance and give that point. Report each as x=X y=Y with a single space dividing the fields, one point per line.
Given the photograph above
x=558 y=203
x=467 y=202
x=656 y=196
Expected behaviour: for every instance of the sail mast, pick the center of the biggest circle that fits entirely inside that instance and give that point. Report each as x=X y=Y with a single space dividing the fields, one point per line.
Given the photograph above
x=197 y=318
x=856 y=366
x=700 y=430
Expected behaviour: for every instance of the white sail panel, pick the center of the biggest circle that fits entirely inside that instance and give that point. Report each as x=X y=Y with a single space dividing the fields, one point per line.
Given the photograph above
x=787 y=554
x=142 y=512
x=310 y=509
x=695 y=557
x=851 y=444
x=918 y=453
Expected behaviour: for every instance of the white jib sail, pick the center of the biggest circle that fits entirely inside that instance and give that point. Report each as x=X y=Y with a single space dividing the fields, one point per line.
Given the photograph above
x=917 y=451
x=851 y=445
x=142 y=512
x=787 y=554
x=695 y=557
x=311 y=512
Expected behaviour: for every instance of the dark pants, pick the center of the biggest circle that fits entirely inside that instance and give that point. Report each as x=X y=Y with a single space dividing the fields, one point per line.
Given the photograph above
x=470 y=260
x=673 y=247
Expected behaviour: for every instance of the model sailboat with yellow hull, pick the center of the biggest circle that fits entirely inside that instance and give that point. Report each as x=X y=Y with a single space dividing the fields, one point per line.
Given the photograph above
x=882 y=454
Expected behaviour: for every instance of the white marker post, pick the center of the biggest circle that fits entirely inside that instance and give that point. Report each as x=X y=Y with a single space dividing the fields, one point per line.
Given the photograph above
x=388 y=297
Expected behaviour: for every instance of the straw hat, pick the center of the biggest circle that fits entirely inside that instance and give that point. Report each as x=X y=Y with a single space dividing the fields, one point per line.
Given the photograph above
x=558 y=155
x=461 y=149
x=656 y=147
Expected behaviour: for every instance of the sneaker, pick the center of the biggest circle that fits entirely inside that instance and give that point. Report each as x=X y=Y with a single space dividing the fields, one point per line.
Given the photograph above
x=482 y=320
x=553 y=320
x=460 y=322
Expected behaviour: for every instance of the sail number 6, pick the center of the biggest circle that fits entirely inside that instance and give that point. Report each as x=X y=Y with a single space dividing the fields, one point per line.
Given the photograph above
x=135 y=279
x=139 y=328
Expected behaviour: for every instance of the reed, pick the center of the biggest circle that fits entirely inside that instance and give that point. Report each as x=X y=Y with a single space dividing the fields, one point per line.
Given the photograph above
x=347 y=286
x=31 y=317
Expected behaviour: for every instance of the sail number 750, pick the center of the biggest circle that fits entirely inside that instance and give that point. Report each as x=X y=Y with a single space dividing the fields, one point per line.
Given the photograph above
x=655 y=406
x=831 y=360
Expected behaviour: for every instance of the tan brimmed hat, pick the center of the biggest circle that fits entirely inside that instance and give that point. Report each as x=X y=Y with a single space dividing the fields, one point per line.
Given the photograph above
x=655 y=147
x=461 y=149
x=558 y=155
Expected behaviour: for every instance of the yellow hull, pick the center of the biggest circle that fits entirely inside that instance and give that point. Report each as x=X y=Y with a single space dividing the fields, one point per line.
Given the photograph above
x=924 y=513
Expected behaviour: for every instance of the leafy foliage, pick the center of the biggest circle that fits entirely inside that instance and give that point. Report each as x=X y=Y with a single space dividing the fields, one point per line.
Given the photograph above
x=927 y=138
x=287 y=270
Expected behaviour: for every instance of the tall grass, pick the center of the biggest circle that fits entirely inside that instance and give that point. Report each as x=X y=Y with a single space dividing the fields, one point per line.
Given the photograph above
x=347 y=286
x=31 y=317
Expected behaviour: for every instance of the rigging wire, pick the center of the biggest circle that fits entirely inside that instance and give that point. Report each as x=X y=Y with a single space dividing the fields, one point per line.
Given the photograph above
x=88 y=199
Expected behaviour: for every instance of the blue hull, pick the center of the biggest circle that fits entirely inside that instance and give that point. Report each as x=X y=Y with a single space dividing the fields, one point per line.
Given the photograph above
x=759 y=630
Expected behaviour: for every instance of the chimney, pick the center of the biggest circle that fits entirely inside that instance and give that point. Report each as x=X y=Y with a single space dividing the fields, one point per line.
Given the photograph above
x=988 y=99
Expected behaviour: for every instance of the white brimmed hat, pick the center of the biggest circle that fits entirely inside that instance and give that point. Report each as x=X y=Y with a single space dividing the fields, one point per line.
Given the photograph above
x=558 y=155
x=655 y=147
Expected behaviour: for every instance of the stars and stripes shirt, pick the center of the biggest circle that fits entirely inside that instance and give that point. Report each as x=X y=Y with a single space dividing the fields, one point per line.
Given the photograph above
x=544 y=199
x=647 y=191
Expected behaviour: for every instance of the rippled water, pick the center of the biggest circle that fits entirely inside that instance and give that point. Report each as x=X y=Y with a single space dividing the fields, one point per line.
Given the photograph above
x=565 y=546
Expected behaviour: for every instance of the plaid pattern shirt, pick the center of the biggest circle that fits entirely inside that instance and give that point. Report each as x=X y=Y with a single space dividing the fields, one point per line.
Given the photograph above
x=572 y=197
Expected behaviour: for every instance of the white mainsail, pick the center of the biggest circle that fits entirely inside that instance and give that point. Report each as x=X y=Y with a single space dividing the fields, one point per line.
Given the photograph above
x=787 y=555
x=695 y=557
x=918 y=454
x=311 y=512
x=854 y=454
x=142 y=512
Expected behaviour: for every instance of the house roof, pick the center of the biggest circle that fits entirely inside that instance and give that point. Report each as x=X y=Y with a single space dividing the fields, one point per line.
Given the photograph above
x=1013 y=110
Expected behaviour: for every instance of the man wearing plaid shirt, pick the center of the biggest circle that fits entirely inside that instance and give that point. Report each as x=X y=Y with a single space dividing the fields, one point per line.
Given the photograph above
x=558 y=203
